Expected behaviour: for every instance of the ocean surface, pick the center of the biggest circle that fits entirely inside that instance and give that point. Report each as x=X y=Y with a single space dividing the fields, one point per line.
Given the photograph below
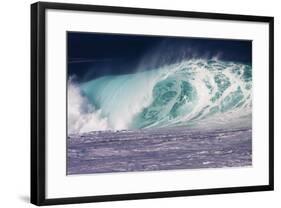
x=158 y=149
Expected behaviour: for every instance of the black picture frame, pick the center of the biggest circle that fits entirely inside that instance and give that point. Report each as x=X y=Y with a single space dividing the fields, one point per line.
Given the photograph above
x=38 y=102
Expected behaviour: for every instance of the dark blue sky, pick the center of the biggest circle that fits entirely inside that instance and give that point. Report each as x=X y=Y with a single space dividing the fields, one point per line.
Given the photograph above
x=91 y=55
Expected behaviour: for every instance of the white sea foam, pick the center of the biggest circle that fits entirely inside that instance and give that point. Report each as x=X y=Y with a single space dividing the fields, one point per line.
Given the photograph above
x=81 y=116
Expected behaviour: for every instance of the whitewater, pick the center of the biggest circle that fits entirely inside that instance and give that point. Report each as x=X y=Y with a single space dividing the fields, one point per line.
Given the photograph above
x=194 y=93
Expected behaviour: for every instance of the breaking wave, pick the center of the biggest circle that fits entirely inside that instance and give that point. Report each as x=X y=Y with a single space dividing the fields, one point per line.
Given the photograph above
x=196 y=93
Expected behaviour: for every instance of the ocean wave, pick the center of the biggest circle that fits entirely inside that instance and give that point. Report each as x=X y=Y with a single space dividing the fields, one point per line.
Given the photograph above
x=196 y=92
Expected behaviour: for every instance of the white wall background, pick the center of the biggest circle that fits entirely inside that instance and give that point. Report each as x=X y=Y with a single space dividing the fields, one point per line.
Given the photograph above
x=15 y=96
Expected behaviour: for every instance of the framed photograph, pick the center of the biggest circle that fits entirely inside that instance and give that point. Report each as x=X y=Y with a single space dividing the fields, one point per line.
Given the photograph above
x=134 y=103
